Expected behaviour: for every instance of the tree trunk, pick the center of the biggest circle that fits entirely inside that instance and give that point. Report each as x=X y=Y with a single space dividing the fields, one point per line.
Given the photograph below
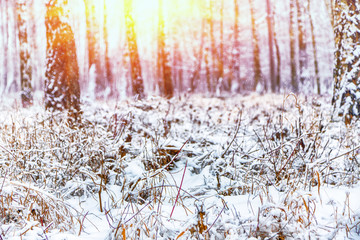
x=235 y=58
x=62 y=90
x=301 y=41
x=177 y=66
x=96 y=71
x=212 y=47
x=294 y=82
x=164 y=58
x=278 y=57
x=313 y=40
x=346 y=97
x=108 y=71
x=256 y=49
x=195 y=76
x=4 y=36
x=220 y=77
x=330 y=7
x=270 y=24
x=22 y=10
x=135 y=66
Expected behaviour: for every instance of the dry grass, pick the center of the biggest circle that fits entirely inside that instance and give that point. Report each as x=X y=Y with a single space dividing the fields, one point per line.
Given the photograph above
x=238 y=147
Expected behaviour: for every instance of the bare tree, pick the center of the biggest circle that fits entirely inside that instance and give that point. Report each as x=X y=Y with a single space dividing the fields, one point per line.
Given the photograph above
x=22 y=10
x=164 y=64
x=94 y=42
x=4 y=42
x=135 y=66
x=213 y=50
x=62 y=90
x=108 y=71
x=270 y=24
x=278 y=57
x=294 y=82
x=301 y=40
x=256 y=49
x=314 y=45
x=235 y=57
x=220 y=58
x=195 y=75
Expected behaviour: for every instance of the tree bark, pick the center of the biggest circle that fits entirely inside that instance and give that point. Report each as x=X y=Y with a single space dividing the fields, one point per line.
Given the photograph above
x=62 y=90
x=346 y=97
x=22 y=10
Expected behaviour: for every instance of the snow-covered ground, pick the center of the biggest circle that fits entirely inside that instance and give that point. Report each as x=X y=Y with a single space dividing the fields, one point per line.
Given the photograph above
x=255 y=166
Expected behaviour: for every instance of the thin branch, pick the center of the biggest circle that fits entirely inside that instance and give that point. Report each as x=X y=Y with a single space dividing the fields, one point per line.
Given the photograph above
x=177 y=197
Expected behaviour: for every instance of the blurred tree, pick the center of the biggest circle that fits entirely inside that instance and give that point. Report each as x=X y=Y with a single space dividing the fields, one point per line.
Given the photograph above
x=270 y=24
x=314 y=45
x=198 y=57
x=164 y=63
x=256 y=49
x=178 y=66
x=108 y=71
x=135 y=66
x=220 y=56
x=10 y=54
x=62 y=90
x=235 y=57
x=346 y=97
x=211 y=57
x=94 y=42
x=278 y=57
x=330 y=7
x=294 y=80
x=4 y=43
x=301 y=41
x=22 y=10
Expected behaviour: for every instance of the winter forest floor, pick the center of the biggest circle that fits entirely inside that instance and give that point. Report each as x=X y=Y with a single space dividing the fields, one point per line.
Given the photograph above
x=255 y=166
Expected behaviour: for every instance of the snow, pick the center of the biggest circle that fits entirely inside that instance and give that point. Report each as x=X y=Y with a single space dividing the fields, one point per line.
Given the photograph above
x=249 y=167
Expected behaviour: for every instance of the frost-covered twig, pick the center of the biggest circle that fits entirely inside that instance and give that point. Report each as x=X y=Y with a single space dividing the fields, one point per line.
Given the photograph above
x=235 y=135
x=345 y=153
x=215 y=219
x=177 y=196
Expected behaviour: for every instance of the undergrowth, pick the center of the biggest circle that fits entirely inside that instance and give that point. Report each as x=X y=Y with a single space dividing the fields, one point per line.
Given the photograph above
x=185 y=168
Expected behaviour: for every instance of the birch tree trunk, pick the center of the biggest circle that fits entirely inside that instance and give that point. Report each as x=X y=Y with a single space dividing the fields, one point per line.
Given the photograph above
x=346 y=97
x=301 y=41
x=22 y=10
